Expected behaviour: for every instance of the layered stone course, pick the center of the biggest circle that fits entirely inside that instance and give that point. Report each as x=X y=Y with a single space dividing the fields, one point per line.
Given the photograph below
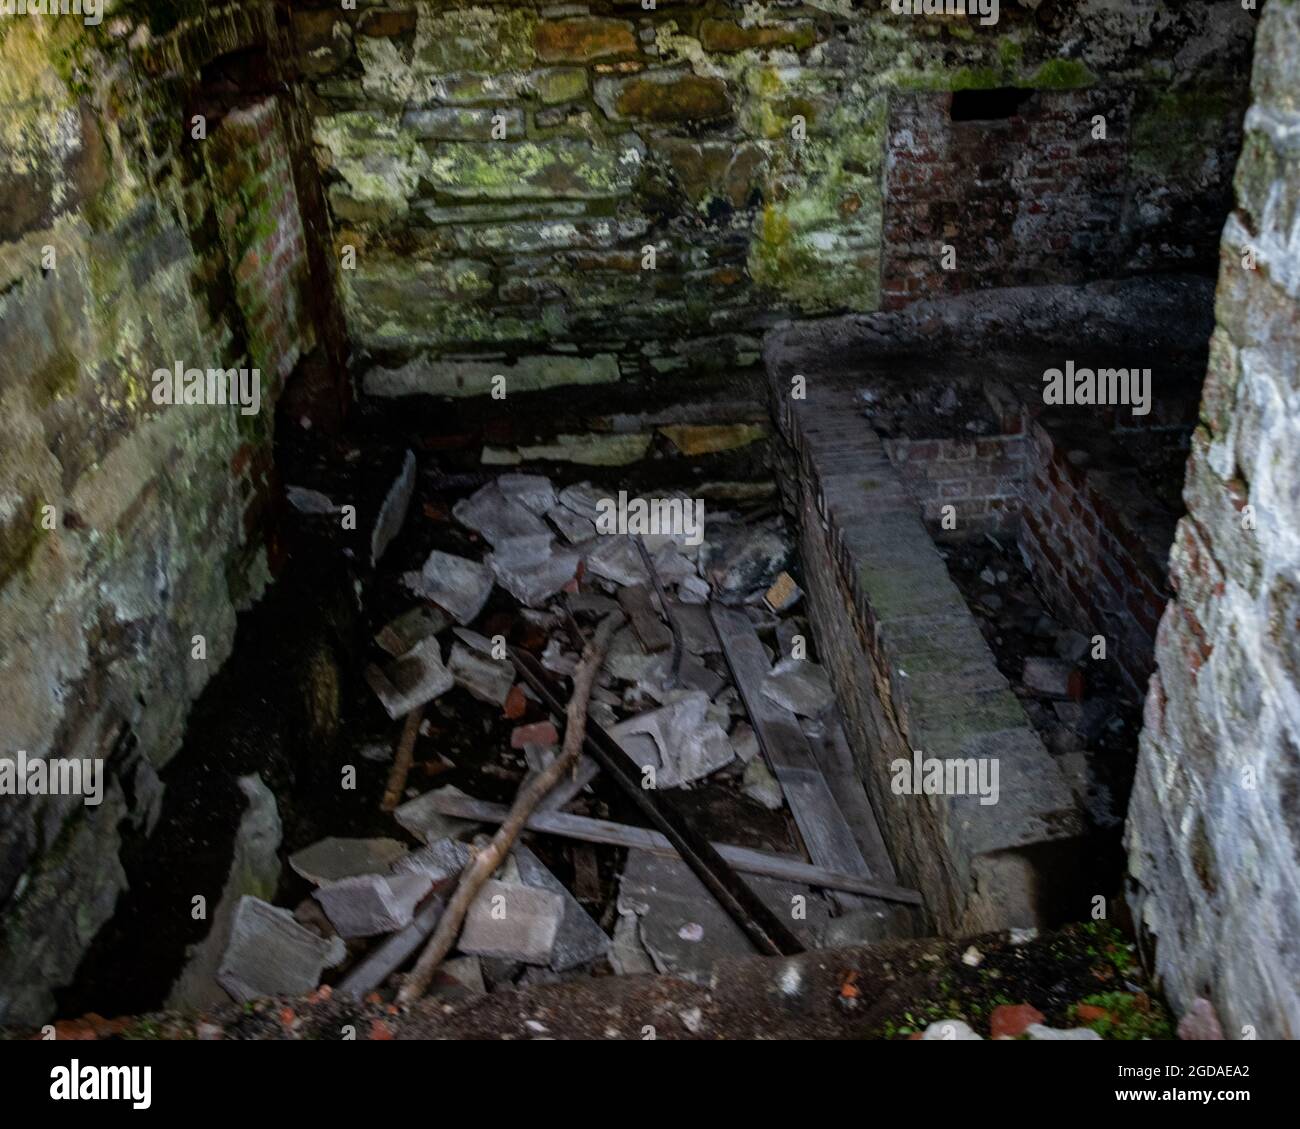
x=1214 y=824
x=126 y=245
x=912 y=672
x=792 y=159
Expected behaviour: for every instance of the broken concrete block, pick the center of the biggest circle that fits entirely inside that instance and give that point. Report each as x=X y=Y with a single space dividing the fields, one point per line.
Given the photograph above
x=333 y=859
x=687 y=746
x=533 y=582
x=270 y=954
x=512 y=921
x=574 y=527
x=514 y=531
x=643 y=614
x=370 y=904
x=698 y=636
x=442 y=859
x=615 y=558
x=392 y=514
x=458 y=584
x=578 y=939
x=488 y=680
x=801 y=686
x=418 y=817
x=410 y=628
x=411 y=681
x=582 y=500
x=532 y=491
x=761 y=786
x=626 y=659
x=694 y=590
x=467 y=972
x=627 y=956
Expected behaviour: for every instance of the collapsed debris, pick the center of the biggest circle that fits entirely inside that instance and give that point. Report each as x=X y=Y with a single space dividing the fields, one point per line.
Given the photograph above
x=674 y=692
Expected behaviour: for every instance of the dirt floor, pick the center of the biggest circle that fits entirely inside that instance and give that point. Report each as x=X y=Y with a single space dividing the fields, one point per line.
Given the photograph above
x=1084 y=976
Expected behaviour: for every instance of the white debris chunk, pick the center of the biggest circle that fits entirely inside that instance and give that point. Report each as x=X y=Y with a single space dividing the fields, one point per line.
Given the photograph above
x=801 y=686
x=392 y=514
x=532 y=491
x=683 y=745
x=456 y=583
x=488 y=680
x=411 y=681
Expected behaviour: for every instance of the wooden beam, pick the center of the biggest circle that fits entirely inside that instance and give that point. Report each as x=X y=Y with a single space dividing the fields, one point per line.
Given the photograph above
x=744 y=859
x=825 y=831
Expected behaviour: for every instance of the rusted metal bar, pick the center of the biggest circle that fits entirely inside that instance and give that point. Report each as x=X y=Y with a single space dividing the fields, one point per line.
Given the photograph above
x=764 y=929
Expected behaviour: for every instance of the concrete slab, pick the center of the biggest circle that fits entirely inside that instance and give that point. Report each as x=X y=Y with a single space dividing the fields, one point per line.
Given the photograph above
x=270 y=954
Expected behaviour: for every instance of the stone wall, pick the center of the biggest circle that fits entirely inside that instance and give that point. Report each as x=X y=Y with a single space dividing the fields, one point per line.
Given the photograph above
x=500 y=170
x=1214 y=824
x=127 y=527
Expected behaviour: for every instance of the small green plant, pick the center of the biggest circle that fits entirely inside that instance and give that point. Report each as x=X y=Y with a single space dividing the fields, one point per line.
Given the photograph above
x=1128 y=1016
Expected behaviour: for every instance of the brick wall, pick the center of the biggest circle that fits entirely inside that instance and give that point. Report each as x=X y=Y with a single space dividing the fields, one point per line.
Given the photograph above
x=980 y=478
x=1214 y=823
x=1089 y=557
x=912 y=671
x=1024 y=199
x=248 y=160
x=1032 y=194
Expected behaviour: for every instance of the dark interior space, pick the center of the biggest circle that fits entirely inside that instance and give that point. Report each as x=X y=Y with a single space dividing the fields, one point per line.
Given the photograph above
x=603 y=513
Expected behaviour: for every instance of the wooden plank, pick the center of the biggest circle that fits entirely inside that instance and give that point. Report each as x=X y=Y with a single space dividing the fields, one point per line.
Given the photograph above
x=825 y=831
x=831 y=748
x=744 y=859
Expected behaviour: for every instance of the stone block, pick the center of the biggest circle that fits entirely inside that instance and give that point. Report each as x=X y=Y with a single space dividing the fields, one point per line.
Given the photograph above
x=664 y=97
x=270 y=954
x=512 y=921
x=583 y=40
x=370 y=904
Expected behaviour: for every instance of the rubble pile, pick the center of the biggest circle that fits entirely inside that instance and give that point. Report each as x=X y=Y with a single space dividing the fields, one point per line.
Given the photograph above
x=668 y=693
x=1073 y=698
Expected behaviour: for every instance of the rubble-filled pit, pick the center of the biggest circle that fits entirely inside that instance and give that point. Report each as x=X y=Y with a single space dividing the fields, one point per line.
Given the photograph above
x=298 y=704
x=1063 y=563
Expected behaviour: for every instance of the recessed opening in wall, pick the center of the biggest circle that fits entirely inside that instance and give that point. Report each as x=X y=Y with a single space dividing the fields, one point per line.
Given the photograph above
x=229 y=82
x=988 y=105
